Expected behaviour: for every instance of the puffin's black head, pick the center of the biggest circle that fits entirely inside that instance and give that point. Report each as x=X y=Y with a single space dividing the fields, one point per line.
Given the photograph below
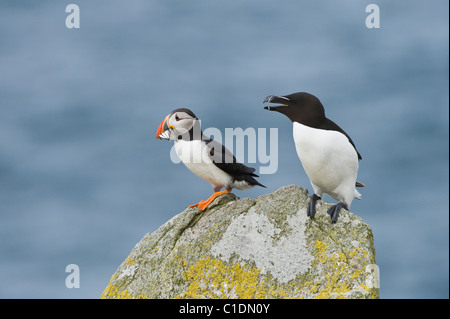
x=299 y=107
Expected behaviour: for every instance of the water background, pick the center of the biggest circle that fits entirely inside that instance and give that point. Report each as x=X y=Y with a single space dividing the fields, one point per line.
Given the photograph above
x=83 y=179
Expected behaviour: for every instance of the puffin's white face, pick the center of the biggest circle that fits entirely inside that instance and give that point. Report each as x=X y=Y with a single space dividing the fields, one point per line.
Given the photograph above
x=176 y=124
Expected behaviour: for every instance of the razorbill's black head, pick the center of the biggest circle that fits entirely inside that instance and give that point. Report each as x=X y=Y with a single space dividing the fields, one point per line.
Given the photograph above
x=326 y=151
x=306 y=109
x=299 y=107
x=205 y=157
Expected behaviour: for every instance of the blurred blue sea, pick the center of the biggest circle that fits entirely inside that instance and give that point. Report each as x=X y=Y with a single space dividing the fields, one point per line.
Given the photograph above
x=83 y=179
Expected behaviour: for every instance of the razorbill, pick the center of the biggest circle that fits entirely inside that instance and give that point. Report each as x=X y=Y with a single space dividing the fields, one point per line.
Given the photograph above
x=205 y=157
x=327 y=153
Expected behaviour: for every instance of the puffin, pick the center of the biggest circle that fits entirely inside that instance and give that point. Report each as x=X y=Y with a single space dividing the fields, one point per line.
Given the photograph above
x=204 y=156
x=327 y=153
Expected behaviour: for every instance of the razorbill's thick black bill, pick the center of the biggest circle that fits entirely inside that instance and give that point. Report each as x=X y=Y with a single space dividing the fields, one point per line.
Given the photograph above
x=327 y=153
x=205 y=157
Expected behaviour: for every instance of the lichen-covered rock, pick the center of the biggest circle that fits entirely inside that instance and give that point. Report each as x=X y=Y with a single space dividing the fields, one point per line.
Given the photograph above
x=252 y=248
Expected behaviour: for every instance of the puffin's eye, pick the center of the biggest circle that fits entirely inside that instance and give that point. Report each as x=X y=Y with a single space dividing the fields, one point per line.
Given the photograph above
x=177 y=118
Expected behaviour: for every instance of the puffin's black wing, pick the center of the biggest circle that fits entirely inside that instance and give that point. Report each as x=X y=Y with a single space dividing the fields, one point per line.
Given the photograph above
x=330 y=125
x=225 y=160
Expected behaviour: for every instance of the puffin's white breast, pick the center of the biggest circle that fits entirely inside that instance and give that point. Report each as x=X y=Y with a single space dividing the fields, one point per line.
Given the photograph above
x=195 y=155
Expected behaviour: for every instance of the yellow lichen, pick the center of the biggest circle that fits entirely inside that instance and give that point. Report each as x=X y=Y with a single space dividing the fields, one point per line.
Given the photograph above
x=338 y=271
x=129 y=261
x=363 y=286
x=320 y=256
x=110 y=291
x=356 y=274
x=124 y=295
x=211 y=278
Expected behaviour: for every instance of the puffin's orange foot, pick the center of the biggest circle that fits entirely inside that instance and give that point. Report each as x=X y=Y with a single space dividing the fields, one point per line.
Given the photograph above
x=203 y=204
x=199 y=204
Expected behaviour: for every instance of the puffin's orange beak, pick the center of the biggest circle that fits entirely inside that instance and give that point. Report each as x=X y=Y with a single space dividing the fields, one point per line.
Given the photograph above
x=162 y=128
